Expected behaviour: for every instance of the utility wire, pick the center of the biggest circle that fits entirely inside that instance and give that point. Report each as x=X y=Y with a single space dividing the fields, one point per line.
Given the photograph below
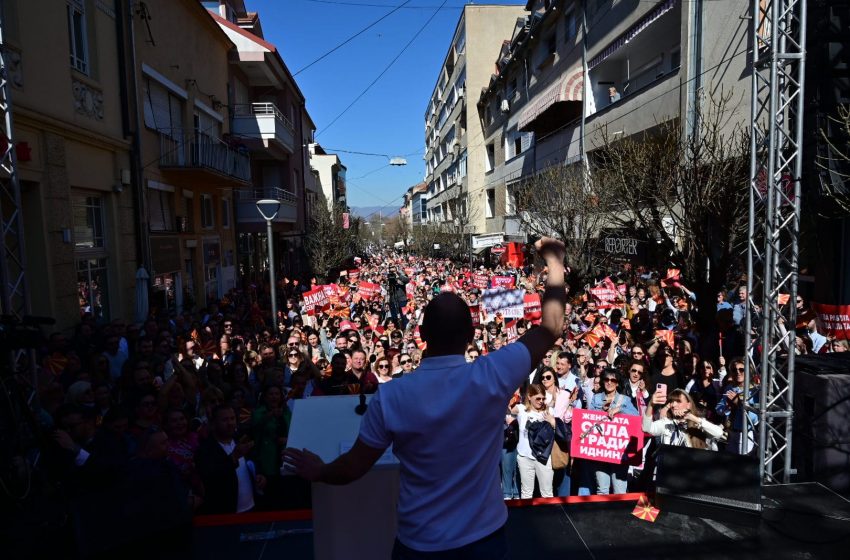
x=362 y=31
x=385 y=70
x=369 y=5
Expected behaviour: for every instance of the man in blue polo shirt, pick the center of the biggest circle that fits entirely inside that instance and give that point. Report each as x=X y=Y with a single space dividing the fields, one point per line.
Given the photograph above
x=445 y=424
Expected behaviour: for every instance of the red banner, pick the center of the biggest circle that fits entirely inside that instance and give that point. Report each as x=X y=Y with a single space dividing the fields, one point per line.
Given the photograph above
x=480 y=281
x=503 y=282
x=598 y=438
x=368 y=290
x=354 y=275
x=475 y=312
x=315 y=299
x=833 y=320
x=511 y=332
x=606 y=298
x=532 y=305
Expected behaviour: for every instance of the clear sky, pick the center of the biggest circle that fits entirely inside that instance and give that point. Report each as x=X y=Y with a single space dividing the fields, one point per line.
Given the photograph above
x=390 y=117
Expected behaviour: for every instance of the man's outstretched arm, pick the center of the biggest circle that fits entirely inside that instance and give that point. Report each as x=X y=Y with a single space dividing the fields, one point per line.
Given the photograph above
x=345 y=469
x=539 y=341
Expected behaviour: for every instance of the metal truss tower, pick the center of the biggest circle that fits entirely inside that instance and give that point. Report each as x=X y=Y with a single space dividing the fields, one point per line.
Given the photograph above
x=14 y=297
x=778 y=68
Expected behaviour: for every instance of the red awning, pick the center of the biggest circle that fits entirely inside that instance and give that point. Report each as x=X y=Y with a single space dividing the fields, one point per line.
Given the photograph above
x=569 y=88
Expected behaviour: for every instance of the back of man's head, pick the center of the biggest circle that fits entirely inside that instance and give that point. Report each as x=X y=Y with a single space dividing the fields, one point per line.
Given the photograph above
x=447 y=325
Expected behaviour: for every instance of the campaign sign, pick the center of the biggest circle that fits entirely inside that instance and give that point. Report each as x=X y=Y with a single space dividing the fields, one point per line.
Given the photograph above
x=598 y=438
x=475 y=312
x=480 y=281
x=532 y=307
x=315 y=299
x=510 y=332
x=503 y=282
x=368 y=290
x=510 y=303
x=833 y=320
x=606 y=298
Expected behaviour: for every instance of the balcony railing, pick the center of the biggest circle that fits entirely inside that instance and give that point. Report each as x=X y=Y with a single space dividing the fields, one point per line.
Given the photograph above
x=246 y=207
x=264 y=121
x=202 y=152
x=259 y=193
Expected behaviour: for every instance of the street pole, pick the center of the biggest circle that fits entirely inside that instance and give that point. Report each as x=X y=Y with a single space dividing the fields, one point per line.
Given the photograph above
x=272 y=279
x=268 y=208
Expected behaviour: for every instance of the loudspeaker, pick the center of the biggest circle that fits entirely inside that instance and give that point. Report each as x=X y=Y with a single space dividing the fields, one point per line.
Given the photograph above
x=712 y=484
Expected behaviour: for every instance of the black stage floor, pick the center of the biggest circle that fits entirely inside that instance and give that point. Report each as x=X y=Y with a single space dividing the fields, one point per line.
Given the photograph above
x=798 y=521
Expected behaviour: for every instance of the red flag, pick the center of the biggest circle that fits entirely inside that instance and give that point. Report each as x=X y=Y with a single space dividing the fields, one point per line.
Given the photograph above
x=644 y=510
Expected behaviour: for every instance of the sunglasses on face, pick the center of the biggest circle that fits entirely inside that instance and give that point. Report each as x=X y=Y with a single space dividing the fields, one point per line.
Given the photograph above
x=473 y=355
x=404 y=362
x=293 y=354
x=739 y=369
x=637 y=353
x=633 y=370
x=609 y=380
x=547 y=378
x=383 y=366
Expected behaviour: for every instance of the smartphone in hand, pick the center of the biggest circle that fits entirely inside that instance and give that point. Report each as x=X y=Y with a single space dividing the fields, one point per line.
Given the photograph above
x=661 y=389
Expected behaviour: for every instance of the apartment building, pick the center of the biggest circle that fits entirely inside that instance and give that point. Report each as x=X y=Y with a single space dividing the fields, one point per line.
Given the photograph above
x=661 y=58
x=73 y=151
x=330 y=173
x=414 y=205
x=269 y=117
x=454 y=160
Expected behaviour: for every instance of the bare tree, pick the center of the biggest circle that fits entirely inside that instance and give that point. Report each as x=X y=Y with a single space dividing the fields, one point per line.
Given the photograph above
x=559 y=201
x=689 y=193
x=397 y=229
x=836 y=160
x=328 y=243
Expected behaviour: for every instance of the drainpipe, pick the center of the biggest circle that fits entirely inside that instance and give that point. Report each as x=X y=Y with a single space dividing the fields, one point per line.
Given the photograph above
x=143 y=242
x=694 y=66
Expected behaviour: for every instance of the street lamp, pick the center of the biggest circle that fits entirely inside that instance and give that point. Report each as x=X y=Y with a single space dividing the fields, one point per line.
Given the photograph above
x=268 y=208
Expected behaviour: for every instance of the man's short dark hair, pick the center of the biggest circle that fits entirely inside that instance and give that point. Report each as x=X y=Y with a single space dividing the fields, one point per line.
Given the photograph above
x=565 y=356
x=447 y=322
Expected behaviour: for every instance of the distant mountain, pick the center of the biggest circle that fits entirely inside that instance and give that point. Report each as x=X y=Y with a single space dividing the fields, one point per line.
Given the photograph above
x=367 y=212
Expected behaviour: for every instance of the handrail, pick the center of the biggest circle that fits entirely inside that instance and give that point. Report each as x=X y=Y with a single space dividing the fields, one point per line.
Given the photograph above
x=178 y=149
x=259 y=193
x=262 y=109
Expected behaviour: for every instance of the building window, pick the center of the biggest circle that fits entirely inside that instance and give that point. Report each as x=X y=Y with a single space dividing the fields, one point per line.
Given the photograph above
x=490 y=207
x=161 y=213
x=88 y=222
x=510 y=200
x=163 y=111
x=490 y=162
x=552 y=44
x=207 y=212
x=511 y=91
x=225 y=213
x=93 y=288
x=91 y=257
x=569 y=25
x=77 y=38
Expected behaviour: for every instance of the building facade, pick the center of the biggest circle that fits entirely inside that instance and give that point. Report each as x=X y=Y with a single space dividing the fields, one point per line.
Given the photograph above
x=330 y=172
x=455 y=162
x=269 y=118
x=72 y=140
x=661 y=59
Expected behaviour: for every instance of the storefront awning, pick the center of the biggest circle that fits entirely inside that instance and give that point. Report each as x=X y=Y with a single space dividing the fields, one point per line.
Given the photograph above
x=568 y=89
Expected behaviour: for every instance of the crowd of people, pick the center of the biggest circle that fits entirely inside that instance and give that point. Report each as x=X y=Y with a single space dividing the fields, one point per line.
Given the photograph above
x=198 y=405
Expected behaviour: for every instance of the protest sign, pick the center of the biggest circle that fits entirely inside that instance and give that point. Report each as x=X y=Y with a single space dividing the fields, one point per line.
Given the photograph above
x=510 y=332
x=315 y=300
x=606 y=298
x=504 y=281
x=598 y=438
x=480 y=281
x=474 y=311
x=354 y=275
x=368 y=290
x=833 y=320
x=532 y=307
x=510 y=303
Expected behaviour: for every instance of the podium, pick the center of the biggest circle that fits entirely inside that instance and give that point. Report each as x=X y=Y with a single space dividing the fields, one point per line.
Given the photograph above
x=359 y=520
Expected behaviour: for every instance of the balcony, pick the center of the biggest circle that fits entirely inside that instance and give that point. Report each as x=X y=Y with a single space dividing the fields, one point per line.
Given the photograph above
x=265 y=122
x=204 y=157
x=246 y=205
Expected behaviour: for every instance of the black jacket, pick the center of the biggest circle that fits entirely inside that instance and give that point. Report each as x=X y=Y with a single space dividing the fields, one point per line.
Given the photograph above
x=218 y=474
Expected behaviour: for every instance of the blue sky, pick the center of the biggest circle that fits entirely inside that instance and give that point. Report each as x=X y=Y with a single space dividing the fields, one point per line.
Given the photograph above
x=389 y=118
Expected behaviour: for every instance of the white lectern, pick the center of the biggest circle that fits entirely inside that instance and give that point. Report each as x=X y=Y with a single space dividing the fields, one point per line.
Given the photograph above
x=356 y=521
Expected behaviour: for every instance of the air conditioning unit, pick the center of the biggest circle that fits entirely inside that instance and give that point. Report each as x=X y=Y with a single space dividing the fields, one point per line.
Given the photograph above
x=461 y=92
x=505 y=107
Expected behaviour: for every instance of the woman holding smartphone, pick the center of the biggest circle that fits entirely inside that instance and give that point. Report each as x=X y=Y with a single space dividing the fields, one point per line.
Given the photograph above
x=533 y=410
